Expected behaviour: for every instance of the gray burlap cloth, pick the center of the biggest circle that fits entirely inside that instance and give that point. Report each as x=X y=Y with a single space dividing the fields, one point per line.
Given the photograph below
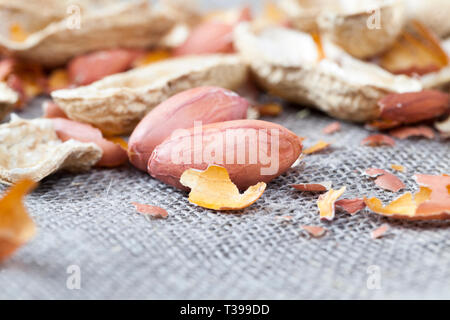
x=87 y=221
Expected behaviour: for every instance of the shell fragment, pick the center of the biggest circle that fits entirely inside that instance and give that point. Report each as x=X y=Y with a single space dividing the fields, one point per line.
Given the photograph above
x=30 y=149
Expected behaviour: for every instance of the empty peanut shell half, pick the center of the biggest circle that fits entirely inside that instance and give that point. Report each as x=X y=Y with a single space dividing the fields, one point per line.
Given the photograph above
x=134 y=24
x=31 y=149
x=362 y=28
x=117 y=103
x=286 y=63
x=8 y=98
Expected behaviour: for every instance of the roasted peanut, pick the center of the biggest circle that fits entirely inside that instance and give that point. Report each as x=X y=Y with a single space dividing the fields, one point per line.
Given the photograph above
x=212 y=36
x=91 y=67
x=113 y=154
x=412 y=107
x=252 y=151
x=209 y=37
x=206 y=104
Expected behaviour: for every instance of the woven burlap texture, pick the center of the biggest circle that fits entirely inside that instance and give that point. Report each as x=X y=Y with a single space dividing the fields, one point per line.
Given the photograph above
x=87 y=220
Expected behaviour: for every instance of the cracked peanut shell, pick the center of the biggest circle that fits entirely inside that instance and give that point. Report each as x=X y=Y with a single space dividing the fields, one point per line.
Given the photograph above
x=134 y=24
x=117 y=103
x=285 y=62
x=30 y=149
x=362 y=28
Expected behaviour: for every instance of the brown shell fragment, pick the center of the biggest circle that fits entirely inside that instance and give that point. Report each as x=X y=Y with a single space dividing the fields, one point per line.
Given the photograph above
x=315 y=231
x=377 y=140
x=332 y=128
x=117 y=103
x=379 y=232
x=313 y=187
x=374 y=173
x=439 y=200
x=382 y=125
x=30 y=149
x=431 y=202
x=326 y=203
x=385 y=180
x=133 y=24
x=16 y=226
x=351 y=206
x=213 y=189
x=154 y=211
x=407 y=132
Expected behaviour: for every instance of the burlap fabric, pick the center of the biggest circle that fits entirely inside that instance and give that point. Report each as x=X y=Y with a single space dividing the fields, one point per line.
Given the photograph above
x=87 y=220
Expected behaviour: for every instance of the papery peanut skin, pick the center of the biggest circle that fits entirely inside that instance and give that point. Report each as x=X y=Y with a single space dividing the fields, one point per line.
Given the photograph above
x=412 y=107
x=91 y=67
x=246 y=174
x=205 y=104
x=113 y=154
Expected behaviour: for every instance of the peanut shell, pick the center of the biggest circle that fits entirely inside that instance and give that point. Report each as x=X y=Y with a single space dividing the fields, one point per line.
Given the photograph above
x=285 y=62
x=31 y=149
x=117 y=103
x=351 y=24
x=205 y=104
x=134 y=24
